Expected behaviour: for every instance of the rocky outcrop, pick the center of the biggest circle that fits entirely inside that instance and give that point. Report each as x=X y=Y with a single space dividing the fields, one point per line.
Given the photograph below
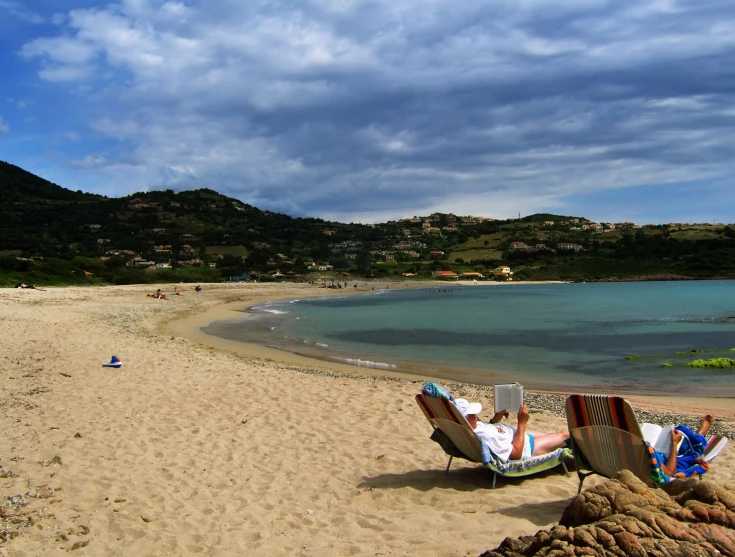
x=622 y=517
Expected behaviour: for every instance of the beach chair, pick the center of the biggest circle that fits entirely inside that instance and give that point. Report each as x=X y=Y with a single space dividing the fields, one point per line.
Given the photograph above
x=715 y=443
x=606 y=438
x=458 y=439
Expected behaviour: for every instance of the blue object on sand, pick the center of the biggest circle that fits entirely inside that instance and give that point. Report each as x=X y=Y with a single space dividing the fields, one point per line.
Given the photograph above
x=114 y=362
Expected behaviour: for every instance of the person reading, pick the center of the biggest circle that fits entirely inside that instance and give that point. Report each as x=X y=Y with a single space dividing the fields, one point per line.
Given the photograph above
x=508 y=442
x=683 y=455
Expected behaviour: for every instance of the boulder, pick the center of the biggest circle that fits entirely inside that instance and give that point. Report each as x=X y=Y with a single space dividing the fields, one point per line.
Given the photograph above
x=623 y=517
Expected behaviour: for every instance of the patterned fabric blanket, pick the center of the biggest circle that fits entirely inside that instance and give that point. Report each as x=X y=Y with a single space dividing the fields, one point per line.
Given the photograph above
x=436 y=390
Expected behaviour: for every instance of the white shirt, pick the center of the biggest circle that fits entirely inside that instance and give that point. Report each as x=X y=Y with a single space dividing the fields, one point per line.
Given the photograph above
x=498 y=438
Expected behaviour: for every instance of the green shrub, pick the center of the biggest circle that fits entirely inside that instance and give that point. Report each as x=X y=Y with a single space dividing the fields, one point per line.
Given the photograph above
x=632 y=357
x=667 y=364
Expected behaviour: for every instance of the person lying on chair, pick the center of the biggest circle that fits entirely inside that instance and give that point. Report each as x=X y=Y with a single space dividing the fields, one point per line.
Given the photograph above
x=508 y=442
x=687 y=447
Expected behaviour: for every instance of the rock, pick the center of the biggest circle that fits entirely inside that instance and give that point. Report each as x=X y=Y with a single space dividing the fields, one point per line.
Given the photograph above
x=623 y=517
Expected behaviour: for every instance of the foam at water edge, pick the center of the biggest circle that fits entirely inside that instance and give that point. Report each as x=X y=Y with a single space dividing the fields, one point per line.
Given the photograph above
x=367 y=363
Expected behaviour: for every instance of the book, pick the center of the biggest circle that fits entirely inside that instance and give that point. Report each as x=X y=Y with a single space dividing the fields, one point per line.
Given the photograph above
x=658 y=437
x=508 y=396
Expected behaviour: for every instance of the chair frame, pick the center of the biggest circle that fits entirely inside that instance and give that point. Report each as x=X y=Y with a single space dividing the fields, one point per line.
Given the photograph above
x=606 y=437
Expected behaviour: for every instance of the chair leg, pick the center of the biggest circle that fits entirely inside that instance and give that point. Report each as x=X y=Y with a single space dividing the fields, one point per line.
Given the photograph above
x=566 y=470
x=581 y=479
x=446 y=472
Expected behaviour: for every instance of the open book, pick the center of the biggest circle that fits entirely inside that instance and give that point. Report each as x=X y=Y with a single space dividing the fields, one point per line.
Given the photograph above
x=508 y=396
x=658 y=437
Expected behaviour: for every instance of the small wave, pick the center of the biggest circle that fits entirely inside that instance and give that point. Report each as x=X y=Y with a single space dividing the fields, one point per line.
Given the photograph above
x=273 y=311
x=321 y=344
x=367 y=363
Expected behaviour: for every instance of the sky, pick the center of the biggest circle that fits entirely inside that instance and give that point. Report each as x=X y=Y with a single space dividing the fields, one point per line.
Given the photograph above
x=371 y=110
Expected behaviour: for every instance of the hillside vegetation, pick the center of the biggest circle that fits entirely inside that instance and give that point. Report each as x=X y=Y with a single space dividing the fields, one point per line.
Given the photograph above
x=51 y=235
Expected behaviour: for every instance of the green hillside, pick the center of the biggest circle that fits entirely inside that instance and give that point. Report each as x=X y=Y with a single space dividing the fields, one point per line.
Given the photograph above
x=51 y=235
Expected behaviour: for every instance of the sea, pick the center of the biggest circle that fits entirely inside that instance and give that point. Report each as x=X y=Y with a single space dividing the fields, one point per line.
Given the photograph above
x=631 y=337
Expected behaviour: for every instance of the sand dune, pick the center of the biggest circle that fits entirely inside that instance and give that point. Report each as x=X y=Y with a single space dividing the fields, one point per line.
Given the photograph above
x=194 y=450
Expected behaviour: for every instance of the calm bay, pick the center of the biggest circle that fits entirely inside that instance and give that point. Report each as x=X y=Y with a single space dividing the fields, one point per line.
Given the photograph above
x=607 y=337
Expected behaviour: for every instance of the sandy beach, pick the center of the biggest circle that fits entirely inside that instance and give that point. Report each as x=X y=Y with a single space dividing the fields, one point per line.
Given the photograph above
x=202 y=446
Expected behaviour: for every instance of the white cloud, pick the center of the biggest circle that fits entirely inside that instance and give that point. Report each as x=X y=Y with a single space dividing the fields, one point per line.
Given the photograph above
x=343 y=108
x=4 y=128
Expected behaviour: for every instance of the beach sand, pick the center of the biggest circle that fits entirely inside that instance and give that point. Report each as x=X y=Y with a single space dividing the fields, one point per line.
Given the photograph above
x=221 y=449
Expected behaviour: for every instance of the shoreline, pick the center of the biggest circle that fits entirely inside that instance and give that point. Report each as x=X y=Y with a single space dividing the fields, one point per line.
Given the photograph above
x=189 y=328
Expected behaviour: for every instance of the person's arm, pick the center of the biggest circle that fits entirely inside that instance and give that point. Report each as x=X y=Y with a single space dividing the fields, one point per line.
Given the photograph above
x=519 y=439
x=498 y=417
x=670 y=467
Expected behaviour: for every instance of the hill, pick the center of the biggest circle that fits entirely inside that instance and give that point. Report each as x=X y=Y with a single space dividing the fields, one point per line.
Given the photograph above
x=49 y=234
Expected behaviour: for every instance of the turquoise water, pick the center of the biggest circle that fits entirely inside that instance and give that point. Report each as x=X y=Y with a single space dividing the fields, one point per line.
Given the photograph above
x=565 y=336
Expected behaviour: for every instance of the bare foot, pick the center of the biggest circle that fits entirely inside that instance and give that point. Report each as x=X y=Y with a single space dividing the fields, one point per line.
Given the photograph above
x=705 y=424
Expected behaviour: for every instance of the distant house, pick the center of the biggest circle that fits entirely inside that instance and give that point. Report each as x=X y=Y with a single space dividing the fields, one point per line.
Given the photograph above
x=568 y=246
x=140 y=262
x=471 y=275
x=444 y=275
x=503 y=270
x=436 y=253
x=518 y=245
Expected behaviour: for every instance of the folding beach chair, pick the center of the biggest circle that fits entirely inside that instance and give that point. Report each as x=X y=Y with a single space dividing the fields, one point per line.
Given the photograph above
x=606 y=438
x=458 y=439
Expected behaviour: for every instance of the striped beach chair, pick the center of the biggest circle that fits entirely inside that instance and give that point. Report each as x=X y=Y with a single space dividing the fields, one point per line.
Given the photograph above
x=606 y=438
x=715 y=443
x=458 y=439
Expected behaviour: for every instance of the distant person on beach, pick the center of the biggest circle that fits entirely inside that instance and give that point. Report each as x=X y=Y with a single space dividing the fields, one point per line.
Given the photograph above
x=198 y=288
x=28 y=286
x=508 y=442
x=158 y=295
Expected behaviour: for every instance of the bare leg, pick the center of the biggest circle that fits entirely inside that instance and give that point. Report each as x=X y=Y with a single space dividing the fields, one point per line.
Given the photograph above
x=705 y=424
x=547 y=442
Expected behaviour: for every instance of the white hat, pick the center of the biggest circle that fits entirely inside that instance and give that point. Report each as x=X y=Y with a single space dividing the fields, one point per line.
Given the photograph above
x=466 y=408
